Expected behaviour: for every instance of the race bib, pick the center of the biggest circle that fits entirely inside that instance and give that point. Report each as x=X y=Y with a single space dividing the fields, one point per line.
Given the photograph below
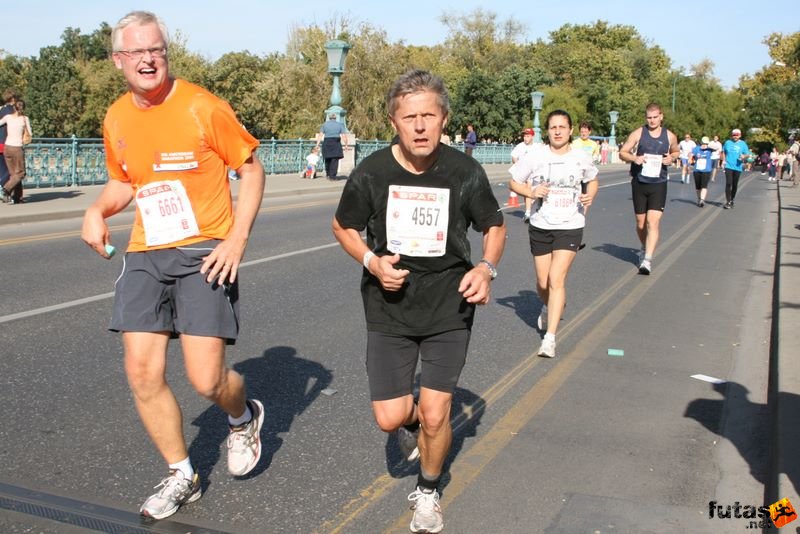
x=166 y=212
x=651 y=168
x=701 y=165
x=560 y=204
x=416 y=220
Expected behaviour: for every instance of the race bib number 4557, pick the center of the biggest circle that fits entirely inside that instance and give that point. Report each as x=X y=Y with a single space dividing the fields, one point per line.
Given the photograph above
x=416 y=220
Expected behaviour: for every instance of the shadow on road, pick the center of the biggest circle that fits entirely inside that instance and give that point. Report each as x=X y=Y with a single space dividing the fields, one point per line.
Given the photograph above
x=526 y=304
x=467 y=411
x=626 y=254
x=746 y=425
x=284 y=383
x=43 y=196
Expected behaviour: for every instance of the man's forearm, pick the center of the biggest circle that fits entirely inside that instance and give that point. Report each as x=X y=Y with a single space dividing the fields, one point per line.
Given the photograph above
x=251 y=192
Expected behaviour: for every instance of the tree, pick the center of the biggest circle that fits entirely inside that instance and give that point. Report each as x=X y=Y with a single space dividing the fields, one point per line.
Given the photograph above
x=477 y=41
x=771 y=96
x=55 y=93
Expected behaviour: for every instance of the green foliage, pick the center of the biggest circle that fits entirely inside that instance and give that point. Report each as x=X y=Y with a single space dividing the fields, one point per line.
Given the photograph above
x=587 y=69
x=54 y=94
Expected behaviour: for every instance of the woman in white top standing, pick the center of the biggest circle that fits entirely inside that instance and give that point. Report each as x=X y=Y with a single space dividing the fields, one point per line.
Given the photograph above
x=18 y=126
x=552 y=175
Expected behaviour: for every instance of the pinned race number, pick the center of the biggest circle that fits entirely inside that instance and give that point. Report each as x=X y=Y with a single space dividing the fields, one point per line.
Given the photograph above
x=166 y=212
x=416 y=220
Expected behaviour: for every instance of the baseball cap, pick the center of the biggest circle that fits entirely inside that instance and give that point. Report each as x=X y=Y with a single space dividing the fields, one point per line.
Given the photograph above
x=736 y=131
x=528 y=131
x=705 y=140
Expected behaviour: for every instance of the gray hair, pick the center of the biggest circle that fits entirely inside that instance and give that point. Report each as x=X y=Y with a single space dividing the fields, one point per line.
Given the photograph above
x=138 y=18
x=417 y=81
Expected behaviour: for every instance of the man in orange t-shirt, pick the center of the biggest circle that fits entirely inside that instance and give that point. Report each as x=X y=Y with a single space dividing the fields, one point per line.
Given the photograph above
x=168 y=146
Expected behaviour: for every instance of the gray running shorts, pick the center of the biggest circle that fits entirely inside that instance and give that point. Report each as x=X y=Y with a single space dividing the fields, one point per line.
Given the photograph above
x=163 y=291
x=392 y=362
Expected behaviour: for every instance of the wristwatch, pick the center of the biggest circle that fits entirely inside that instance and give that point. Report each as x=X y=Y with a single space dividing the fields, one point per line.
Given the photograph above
x=492 y=268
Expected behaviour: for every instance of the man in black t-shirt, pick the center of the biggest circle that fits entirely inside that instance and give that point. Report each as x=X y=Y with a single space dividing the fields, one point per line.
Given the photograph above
x=416 y=200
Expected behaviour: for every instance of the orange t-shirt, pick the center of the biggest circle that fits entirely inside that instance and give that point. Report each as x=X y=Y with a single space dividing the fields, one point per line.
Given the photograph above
x=191 y=138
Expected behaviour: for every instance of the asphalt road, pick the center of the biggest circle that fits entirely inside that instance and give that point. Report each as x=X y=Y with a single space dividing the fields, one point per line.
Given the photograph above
x=586 y=442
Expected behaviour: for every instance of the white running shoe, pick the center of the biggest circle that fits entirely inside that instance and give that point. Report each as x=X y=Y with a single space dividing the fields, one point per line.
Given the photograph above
x=427 y=512
x=407 y=442
x=541 y=321
x=176 y=490
x=548 y=348
x=244 y=443
x=645 y=267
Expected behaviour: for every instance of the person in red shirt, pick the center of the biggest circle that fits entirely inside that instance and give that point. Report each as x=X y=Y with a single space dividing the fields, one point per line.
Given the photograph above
x=168 y=146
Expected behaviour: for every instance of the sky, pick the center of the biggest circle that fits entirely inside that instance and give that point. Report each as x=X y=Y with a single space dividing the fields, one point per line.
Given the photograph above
x=688 y=31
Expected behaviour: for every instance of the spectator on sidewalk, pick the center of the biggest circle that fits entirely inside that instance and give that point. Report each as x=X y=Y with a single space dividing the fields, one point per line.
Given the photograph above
x=334 y=137
x=18 y=135
x=9 y=97
x=471 y=140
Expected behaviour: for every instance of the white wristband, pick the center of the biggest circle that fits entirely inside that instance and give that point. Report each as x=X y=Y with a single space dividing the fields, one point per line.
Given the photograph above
x=368 y=255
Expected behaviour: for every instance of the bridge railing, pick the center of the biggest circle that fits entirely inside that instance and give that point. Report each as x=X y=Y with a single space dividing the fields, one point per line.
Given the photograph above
x=75 y=161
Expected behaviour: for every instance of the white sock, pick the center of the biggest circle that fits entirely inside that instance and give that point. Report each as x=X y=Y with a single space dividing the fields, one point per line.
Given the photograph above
x=185 y=467
x=242 y=419
x=550 y=337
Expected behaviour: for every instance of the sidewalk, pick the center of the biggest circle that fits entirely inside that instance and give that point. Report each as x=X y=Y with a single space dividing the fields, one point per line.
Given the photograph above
x=784 y=395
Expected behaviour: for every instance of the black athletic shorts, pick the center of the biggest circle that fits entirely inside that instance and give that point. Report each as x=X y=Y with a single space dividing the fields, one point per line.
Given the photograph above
x=392 y=362
x=648 y=197
x=545 y=241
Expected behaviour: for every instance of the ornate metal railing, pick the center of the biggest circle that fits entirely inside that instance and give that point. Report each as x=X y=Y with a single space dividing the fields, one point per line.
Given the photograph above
x=76 y=161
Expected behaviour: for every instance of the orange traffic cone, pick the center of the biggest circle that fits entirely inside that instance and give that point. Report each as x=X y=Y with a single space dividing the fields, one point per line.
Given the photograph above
x=513 y=200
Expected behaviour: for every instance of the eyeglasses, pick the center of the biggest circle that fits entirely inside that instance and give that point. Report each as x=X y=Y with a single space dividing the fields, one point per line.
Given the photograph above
x=138 y=53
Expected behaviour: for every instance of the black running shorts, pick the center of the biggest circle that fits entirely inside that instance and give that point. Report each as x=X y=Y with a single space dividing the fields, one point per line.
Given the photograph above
x=392 y=362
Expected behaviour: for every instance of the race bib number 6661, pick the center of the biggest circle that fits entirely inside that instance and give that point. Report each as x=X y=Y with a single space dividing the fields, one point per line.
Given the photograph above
x=416 y=220
x=166 y=212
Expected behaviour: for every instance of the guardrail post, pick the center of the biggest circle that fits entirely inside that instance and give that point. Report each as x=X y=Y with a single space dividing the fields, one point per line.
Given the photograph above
x=74 y=161
x=273 y=146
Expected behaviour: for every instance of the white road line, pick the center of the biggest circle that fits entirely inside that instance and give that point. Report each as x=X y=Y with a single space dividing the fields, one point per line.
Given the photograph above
x=103 y=296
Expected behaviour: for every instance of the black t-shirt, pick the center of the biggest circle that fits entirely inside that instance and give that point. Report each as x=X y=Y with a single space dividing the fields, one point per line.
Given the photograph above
x=429 y=301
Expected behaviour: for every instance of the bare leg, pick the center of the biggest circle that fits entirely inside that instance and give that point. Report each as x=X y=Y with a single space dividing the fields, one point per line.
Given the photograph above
x=437 y=434
x=145 y=367
x=205 y=367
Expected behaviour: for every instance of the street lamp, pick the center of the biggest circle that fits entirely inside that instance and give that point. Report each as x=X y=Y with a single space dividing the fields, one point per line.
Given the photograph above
x=613 y=115
x=337 y=53
x=537 y=97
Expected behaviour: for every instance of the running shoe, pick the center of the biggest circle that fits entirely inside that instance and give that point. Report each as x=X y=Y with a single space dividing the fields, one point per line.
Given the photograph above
x=175 y=491
x=541 y=321
x=244 y=442
x=526 y=217
x=427 y=512
x=700 y=203
x=645 y=267
x=727 y=206
x=548 y=348
x=407 y=442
